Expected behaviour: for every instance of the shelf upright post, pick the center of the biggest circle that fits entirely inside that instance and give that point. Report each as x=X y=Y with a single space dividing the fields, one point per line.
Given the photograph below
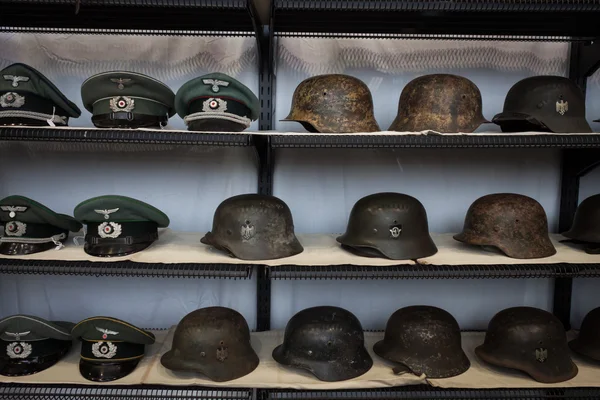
x=584 y=60
x=264 y=150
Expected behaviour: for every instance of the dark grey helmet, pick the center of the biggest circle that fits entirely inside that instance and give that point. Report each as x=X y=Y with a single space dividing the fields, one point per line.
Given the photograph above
x=254 y=227
x=214 y=341
x=391 y=225
x=530 y=340
x=426 y=340
x=588 y=341
x=586 y=225
x=544 y=103
x=327 y=341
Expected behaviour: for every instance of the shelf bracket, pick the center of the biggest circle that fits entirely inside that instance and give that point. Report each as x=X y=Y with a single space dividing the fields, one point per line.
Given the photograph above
x=584 y=61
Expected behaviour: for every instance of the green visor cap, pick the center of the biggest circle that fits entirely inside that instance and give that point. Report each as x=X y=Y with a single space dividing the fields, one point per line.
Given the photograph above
x=111 y=329
x=215 y=85
x=23 y=88
x=28 y=328
x=123 y=91
x=119 y=209
x=25 y=210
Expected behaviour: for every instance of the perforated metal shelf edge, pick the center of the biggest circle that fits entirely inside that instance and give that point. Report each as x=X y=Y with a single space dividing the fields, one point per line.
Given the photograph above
x=566 y=141
x=125 y=269
x=15 y=391
x=94 y=135
x=406 y=271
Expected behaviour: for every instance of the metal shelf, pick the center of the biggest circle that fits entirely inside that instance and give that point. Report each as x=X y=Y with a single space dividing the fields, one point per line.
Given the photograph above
x=95 y=135
x=527 y=19
x=498 y=271
x=567 y=141
x=125 y=269
x=186 y=17
x=423 y=392
x=73 y=392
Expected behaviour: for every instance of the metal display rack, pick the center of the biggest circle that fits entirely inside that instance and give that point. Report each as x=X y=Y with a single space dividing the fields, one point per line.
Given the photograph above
x=567 y=20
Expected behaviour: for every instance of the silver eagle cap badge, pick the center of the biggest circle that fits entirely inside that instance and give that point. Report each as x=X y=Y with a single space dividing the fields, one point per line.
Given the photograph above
x=106 y=332
x=121 y=82
x=17 y=335
x=215 y=83
x=13 y=210
x=16 y=79
x=107 y=213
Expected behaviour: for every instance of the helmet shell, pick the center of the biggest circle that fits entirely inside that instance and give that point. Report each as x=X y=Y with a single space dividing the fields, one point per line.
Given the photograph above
x=588 y=341
x=586 y=224
x=531 y=340
x=515 y=224
x=254 y=227
x=425 y=339
x=214 y=341
x=327 y=341
x=441 y=103
x=544 y=103
x=391 y=225
x=333 y=104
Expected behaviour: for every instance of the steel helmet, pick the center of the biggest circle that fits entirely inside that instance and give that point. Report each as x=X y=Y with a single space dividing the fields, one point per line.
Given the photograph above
x=327 y=341
x=254 y=227
x=426 y=340
x=588 y=341
x=333 y=104
x=531 y=340
x=515 y=224
x=586 y=225
x=544 y=103
x=439 y=102
x=214 y=341
x=391 y=225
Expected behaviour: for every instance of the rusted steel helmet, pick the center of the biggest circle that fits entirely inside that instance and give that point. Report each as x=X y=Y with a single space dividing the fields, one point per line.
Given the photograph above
x=214 y=341
x=544 y=103
x=333 y=104
x=441 y=103
x=588 y=341
x=426 y=340
x=327 y=341
x=530 y=340
x=586 y=225
x=391 y=225
x=513 y=223
x=254 y=227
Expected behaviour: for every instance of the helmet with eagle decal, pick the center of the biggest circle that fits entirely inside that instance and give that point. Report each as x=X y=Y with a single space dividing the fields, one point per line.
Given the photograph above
x=254 y=227
x=530 y=340
x=213 y=341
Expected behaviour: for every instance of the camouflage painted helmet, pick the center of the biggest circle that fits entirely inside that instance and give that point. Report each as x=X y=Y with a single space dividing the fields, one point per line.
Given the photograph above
x=513 y=223
x=586 y=225
x=544 y=103
x=333 y=104
x=426 y=340
x=254 y=227
x=530 y=340
x=441 y=103
x=389 y=225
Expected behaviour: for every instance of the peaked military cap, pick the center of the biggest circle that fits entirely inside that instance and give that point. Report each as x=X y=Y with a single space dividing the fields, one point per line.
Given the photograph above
x=28 y=98
x=29 y=227
x=110 y=348
x=122 y=99
x=32 y=344
x=119 y=225
x=216 y=102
